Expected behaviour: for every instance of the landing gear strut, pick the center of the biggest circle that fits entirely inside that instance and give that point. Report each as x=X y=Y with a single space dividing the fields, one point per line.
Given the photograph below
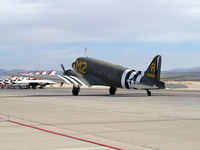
x=112 y=90
x=75 y=90
x=148 y=92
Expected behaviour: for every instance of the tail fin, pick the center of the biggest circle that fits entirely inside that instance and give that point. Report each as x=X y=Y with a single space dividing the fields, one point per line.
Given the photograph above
x=52 y=72
x=43 y=73
x=36 y=73
x=154 y=68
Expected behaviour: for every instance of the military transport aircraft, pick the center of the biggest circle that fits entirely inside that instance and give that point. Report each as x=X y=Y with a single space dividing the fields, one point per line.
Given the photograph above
x=89 y=71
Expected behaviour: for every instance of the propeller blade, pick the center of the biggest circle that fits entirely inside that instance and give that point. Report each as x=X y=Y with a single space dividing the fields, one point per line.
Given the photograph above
x=63 y=67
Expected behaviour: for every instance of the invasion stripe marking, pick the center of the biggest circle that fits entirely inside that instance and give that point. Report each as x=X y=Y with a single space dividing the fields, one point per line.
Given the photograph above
x=123 y=78
x=136 y=75
x=127 y=77
x=78 y=80
x=139 y=77
x=64 y=79
x=67 y=79
x=71 y=80
x=132 y=75
x=131 y=78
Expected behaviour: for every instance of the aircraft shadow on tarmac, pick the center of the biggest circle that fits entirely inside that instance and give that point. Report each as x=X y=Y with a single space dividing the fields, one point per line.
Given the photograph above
x=101 y=95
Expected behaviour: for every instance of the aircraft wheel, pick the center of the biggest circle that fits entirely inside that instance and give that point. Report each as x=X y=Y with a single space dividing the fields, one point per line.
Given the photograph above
x=34 y=87
x=148 y=92
x=112 y=90
x=75 y=91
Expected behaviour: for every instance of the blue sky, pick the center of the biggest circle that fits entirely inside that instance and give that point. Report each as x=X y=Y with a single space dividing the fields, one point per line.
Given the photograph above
x=43 y=34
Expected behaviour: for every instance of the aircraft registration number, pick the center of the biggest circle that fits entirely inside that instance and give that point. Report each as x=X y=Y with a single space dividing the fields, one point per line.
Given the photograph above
x=81 y=66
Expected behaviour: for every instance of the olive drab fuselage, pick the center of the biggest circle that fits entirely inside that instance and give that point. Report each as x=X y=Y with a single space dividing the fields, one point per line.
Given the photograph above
x=100 y=72
x=103 y=73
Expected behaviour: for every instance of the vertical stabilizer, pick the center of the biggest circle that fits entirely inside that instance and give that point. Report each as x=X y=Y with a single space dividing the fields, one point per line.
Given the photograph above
x=154 y=68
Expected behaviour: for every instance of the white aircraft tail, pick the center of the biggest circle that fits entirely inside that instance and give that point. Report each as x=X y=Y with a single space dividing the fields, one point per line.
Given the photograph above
x=43 y=73
x=36 y=73
x=52 y=72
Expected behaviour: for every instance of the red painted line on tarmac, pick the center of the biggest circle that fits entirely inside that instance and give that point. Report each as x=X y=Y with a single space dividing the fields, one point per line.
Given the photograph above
x=65 y=135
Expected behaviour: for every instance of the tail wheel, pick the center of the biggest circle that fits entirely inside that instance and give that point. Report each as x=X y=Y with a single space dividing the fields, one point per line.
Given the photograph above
x=112 y=90
x=75 y=91
x=148 y=92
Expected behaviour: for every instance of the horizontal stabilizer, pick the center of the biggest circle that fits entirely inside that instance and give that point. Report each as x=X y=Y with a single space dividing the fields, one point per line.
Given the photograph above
x=167 y=77
x=174 y=86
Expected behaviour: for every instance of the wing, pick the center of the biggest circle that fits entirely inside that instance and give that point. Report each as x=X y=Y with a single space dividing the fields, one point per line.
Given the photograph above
x=70 y=79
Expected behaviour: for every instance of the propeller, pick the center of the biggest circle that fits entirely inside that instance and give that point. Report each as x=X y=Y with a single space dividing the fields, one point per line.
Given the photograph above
x=65 y=72
x=63 y=68
x=61 y=84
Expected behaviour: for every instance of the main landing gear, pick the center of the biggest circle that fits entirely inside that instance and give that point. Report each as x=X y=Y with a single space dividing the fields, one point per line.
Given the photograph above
x=148 y=92
x=112 y=90
x=75 y=90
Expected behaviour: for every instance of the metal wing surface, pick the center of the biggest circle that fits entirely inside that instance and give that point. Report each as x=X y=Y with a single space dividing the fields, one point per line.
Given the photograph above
x=70 y=79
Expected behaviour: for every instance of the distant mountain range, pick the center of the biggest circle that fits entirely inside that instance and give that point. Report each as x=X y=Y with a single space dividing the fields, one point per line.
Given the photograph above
x=193 y=70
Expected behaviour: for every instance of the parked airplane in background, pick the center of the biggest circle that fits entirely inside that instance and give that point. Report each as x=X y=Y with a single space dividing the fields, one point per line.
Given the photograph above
x=1 y=83
x=89 y=71
x=27 y=82
x=43 y=73
x=33 y=82
x=53 y=72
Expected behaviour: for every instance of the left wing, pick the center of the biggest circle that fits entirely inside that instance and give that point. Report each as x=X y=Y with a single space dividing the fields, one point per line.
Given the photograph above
x=69 y=79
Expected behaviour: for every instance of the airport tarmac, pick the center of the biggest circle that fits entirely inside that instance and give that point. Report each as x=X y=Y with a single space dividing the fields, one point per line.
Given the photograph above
x=168 y=120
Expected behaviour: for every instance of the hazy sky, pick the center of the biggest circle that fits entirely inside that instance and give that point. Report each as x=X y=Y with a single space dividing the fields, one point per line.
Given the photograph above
x=42 y=34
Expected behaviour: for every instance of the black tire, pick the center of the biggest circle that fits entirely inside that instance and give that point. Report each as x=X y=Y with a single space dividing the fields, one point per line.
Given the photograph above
x=34 y=87
x=148 y=92
x=112 y=90
x=75 y=91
